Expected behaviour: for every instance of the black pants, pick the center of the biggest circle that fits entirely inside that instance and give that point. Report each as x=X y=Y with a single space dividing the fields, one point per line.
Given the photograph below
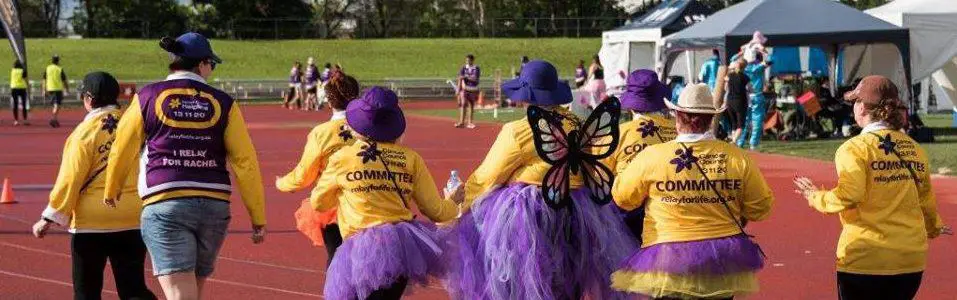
x=878 y=287
x=19 y=99
x=393 y=292
x=737 y=113
x=126 y=252
x=333 y=239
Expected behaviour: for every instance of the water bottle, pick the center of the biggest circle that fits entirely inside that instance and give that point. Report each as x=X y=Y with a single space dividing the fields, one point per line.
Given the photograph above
x=453 y=183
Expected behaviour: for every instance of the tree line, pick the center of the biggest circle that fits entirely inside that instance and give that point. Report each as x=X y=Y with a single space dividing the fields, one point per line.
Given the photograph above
x=287 y=19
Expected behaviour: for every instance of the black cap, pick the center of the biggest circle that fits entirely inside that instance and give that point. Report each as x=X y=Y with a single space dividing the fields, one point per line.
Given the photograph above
x=102 y=86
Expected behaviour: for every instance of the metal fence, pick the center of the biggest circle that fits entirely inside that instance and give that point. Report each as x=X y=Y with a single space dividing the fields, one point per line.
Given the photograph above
x=268 y=89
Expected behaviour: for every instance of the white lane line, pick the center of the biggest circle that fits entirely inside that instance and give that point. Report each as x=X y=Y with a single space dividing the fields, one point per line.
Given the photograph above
x=62 y=283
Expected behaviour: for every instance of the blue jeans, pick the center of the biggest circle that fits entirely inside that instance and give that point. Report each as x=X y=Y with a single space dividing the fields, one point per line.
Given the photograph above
x=756 y=112
x=184 y=234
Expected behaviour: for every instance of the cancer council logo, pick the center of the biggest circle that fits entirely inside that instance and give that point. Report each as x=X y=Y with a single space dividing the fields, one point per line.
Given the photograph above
x=684 y=159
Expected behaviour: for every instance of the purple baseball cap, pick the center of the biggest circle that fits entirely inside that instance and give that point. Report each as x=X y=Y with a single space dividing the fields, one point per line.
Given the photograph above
x=643 y=92
x=376 y=115
x=538 y=84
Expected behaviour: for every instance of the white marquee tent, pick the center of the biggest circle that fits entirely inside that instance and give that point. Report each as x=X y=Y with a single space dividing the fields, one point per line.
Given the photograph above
x=637 y=44
x=933 y=41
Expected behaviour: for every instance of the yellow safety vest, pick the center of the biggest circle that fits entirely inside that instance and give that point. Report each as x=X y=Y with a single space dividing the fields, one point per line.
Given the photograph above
x=16 y=79
x=54 y=80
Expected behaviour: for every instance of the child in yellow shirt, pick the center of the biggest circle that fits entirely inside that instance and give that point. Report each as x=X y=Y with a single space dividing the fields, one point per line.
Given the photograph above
x=696 y=192
x=373 y=183
x=884 y=198
x=98 y=233
x=511 y=244
x=324 y=140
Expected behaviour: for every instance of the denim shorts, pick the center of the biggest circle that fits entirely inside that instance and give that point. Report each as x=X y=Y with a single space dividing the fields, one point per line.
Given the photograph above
x=184 y=234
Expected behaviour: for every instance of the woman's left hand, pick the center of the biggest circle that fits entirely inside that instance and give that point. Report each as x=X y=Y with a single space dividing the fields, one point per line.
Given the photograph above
x=805 y=187
x=946 y=230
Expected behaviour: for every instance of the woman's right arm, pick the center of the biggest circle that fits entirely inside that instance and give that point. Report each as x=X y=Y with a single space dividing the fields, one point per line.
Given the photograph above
x=309 y=166
x=129 y=141
x=74 y=170
x=503 y=158
x=851 y=183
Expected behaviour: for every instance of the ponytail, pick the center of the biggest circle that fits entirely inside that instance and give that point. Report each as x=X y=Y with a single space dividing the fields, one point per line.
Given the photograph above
x=893 y=112
x=341 y=89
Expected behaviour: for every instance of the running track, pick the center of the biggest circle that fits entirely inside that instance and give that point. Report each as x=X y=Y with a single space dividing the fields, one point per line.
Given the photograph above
x=799 y=242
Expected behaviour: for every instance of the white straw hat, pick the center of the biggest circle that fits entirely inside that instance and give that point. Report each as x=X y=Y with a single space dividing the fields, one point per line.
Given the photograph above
x=696 y=99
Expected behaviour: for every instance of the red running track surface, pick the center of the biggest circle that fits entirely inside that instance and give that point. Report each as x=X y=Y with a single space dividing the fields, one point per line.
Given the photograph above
x=799 y=242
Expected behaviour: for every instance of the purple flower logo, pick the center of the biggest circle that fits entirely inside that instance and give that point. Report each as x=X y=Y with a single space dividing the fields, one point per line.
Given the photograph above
x=648 y=128
x=685 y=159
x=109 y=124
x=887 y=144
x=344 y=133
x=369 y=153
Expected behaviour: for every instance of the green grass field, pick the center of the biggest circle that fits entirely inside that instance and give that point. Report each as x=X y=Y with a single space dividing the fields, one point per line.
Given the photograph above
x=943 y=153
x=366 y=59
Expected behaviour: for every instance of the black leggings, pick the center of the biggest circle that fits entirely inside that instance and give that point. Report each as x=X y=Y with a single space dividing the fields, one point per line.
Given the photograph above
x=852 y=286
x=737 y=113
x=393 y=292
x=333 y=239
x=126 y=252
x=19 y=99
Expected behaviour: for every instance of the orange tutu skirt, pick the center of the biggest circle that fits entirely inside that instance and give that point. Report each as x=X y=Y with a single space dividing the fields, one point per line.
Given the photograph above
x=310 y=222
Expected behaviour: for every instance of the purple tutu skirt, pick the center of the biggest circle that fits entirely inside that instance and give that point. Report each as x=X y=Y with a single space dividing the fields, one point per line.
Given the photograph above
x=377 y=257
x=719 y=267
x=511 y=245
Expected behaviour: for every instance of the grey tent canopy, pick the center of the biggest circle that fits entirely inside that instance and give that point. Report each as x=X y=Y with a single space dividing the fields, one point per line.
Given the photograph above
x=824 y=23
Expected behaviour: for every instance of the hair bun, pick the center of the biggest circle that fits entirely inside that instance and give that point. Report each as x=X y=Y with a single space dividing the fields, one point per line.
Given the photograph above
x=170 y=45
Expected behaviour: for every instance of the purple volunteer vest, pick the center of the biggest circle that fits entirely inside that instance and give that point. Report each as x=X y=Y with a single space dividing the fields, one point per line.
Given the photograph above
x=184 y=123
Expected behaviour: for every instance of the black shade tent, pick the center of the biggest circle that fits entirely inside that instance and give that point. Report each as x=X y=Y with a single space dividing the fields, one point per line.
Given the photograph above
x=824 y=23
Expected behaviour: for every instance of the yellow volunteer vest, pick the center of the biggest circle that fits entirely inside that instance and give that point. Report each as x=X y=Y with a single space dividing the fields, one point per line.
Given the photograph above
x=16 y=79
x=54 y=80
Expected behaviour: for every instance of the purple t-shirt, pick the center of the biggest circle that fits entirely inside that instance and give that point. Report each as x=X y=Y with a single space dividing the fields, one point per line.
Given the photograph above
x=470 y=76
x=312 y=75
x=580 y=74
x=294 y=75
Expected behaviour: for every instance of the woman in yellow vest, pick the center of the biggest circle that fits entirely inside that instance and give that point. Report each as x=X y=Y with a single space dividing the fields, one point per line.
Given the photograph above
x=697 y=193
x=18 y=93
x=321 y=143
x=652 y=124
x=98 y=233
x=55 y=86
x=884 y=198
x=512 y=244
x=374 y=182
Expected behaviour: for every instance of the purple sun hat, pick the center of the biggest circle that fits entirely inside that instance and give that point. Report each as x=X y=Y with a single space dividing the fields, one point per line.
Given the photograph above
x=538 y=84
x=643 y=92
x=376 y=115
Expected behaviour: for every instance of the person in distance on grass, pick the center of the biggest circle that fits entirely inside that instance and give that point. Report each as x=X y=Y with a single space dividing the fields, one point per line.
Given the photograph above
x=311 y=78
x=884 y=198
x=511 y=243
x=324 y=140
x=596 y=81
x=373 y=182
x=698 y=193
x=468 y=92
x=19 y=84
x=294 y=93
x=580 y=74
x=55 y=86
x=97 y=233
x=184 y=132
x=652 y=124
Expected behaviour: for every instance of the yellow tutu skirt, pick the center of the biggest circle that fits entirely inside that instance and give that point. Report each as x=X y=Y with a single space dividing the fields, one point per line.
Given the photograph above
x=658 y=285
